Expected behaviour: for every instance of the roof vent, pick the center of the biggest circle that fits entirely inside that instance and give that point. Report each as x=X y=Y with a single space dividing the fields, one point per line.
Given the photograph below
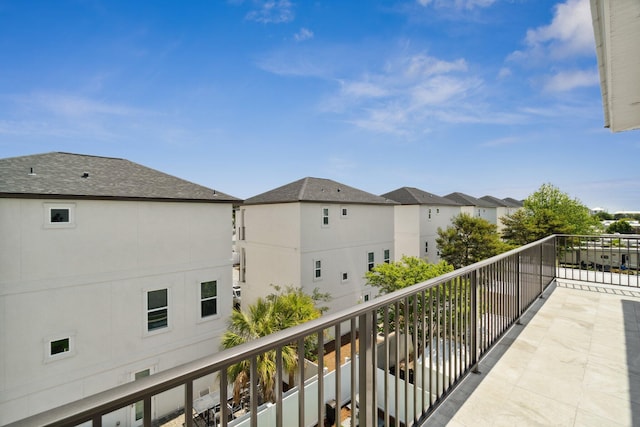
x=338 y=190
x=31 y=172
x=85 y=175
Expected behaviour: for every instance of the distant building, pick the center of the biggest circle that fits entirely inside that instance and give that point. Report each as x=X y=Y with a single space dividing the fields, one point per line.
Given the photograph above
x=109 y=271
x=313 y=233
x=417 y=219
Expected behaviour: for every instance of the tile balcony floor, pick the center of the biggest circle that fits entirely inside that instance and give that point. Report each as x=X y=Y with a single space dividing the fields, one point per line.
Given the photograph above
x=574 y=361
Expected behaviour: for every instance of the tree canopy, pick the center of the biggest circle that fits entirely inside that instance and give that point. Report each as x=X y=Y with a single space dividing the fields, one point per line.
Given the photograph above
x=548 y=211
x=621 y=226
x=467 y=240
x=288 y=306
x=389 y=277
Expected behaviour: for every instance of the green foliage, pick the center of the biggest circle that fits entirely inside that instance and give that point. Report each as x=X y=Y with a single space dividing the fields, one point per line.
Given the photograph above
x=389 y=277
x=545 y=212
x=603 y=216
x=282 y=309
x=468 y=240
x=621 y=226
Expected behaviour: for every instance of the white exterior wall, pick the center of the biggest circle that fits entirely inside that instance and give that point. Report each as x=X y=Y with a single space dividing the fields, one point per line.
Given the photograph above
x=271 y=248
x=343 y=247
x=283 y=241
x=88 y=283
x=408 y=239
x=441 y=217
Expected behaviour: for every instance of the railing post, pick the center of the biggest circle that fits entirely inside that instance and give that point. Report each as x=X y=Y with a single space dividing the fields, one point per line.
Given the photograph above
x=541 y=271
x=188 y=404
x=365 y=386
x=518 y=291
x=475 y=327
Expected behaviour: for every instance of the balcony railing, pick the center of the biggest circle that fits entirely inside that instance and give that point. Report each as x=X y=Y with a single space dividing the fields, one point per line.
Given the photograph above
x=400 y=354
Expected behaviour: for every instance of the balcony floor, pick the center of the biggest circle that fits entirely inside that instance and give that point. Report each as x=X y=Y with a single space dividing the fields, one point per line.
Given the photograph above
x=575 y=361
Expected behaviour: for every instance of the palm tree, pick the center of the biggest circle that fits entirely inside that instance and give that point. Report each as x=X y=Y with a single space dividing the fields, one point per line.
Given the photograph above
x=283 y=309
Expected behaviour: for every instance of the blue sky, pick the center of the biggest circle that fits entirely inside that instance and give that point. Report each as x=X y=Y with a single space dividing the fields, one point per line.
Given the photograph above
x=479 y=96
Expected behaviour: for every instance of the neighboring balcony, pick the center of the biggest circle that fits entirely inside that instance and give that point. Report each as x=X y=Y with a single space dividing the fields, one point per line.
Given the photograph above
x=547 y=334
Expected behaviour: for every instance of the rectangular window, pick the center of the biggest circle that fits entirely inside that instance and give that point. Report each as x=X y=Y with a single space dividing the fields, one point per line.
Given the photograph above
x=344 y=212
x=370 y=261
x=437 y=210
x=325 y=217
x=426 y=247
x=157 y=309
x=59 y=346
x=243 y=266
x=429 y=213
x=59 y=215
x=208 y=298
x=317 y=271
x=345 y=276
x=387 y=256
x=139 y=406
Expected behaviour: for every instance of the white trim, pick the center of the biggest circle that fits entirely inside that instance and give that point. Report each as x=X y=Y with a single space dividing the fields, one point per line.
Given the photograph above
x=145 y=313
x=199 y=300
x=48 y=357
x=48 y=207
x=315 y=269
x=323 y=216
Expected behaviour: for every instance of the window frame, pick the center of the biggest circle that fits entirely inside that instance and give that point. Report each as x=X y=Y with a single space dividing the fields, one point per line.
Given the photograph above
x=371 y=260
x=317 y=270
x=167 y=307
x=48 y=342
x=215 y=298
x=324 y=222
x=48 y=207
x=386 y=256
x=344 y=277
x=344 y=212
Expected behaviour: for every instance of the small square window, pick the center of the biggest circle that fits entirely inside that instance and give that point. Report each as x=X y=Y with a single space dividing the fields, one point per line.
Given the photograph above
x=59 y=215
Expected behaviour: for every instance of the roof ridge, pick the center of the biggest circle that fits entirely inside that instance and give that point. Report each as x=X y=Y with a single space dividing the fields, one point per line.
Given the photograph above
x=303 y=188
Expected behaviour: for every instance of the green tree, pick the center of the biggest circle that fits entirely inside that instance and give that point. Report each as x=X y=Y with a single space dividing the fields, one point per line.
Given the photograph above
x=621 y=226
x=548 y=211
x=286 y=307
x=467 y=240
x=389 y=277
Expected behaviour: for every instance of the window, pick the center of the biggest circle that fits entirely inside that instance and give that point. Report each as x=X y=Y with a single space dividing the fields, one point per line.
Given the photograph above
x=426 y=247
x=387 y=257
x=59 y=347
x=370 y=261
x=344 y=212
x=243 y=266
x=345 y=276
x=208 y=298
x=366 y=296
x=317 y=270
x=59 y=215
x=437 y=211
x=139 y=406
x=325 y=217
x=157 y=309
x=429 y=213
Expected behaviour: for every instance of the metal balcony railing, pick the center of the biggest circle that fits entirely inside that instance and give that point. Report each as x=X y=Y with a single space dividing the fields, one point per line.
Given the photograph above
x=400 y=356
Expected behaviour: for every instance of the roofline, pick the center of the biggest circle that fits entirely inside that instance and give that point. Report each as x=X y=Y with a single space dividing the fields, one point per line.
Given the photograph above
x=112 y=198
x=343 y=202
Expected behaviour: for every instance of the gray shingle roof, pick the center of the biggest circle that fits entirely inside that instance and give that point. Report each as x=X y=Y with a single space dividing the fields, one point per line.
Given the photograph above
x=467 y=200
x=317 y=190
x=494 y=201
x=66 y=175
x=415 y=196
x=510 y=201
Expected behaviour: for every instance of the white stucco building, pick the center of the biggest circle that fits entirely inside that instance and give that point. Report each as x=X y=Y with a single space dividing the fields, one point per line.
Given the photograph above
x=417 y=219
x=313 y=233
x=109 y=271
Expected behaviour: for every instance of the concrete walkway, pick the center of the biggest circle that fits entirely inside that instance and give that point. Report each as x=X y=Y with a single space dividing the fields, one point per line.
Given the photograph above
x=575 y=361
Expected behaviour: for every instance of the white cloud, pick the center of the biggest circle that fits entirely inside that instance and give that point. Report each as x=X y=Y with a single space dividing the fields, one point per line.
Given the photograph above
x=569 y=34
x=504 y=73
x=303 y=34
x=272 y=12
x=568 y=80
